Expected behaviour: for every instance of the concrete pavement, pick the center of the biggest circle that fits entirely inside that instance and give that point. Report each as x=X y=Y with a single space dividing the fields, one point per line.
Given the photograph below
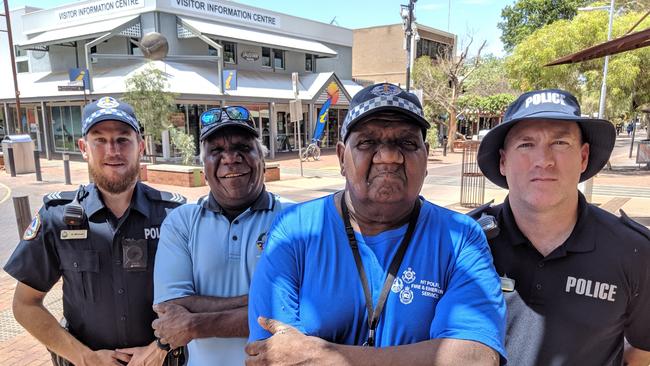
x=625 y=185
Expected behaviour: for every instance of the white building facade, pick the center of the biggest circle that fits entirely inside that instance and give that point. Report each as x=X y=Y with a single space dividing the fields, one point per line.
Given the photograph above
x=220 y=53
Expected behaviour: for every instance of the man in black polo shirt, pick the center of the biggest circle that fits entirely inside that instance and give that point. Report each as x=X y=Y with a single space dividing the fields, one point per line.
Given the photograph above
x=576 y=278
x=102 y=240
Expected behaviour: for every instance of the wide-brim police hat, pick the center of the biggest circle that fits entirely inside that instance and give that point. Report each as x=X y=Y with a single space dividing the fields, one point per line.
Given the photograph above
x=552 y=104
x=383 y=97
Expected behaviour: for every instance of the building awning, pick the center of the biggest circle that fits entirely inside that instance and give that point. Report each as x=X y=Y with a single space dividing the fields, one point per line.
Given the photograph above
x=626 y=43
x=250 y=36
x=80 y=32
x=196 y=80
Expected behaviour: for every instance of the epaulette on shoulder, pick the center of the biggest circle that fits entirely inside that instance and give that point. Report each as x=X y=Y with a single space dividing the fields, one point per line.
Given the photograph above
x=627 y=221
x=171 y=197
x=58 y=198
x=476 y=213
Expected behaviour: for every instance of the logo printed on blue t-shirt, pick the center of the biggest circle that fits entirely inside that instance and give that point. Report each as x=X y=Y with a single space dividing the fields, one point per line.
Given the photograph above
x=397 y=286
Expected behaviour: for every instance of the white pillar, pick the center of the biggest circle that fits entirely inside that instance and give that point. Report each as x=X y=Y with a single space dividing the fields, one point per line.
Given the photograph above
x=165 y=145
x=273 y=133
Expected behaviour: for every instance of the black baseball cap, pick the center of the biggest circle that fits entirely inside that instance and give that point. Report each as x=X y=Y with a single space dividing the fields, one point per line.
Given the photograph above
x=383 y=97
x=216 y=119
x=551 y=104
x=105 y=109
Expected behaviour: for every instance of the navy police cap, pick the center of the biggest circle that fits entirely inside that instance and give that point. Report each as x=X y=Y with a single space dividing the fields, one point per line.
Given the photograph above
x=105 y=109
x=552 y=104
x=383 y=97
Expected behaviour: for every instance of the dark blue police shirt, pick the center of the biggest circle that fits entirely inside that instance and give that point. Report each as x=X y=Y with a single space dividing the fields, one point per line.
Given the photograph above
x=106 y=306
x=574 y=306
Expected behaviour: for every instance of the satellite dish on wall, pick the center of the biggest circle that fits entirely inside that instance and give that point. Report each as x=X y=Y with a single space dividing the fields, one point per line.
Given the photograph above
x=154 y=46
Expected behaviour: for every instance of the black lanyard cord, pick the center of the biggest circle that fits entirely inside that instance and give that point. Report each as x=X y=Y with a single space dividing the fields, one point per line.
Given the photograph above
x=375 y=314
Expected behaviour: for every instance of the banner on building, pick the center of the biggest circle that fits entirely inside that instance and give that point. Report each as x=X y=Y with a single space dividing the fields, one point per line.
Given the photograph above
x=229 y=79
x=79 y=76
x=332 y=98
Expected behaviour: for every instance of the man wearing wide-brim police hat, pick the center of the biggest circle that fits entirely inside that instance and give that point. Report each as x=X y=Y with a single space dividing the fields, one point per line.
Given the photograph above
x=315 y=297
x=575 y=277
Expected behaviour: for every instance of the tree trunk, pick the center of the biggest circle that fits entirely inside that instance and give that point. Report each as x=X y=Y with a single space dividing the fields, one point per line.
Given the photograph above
x=451 y=133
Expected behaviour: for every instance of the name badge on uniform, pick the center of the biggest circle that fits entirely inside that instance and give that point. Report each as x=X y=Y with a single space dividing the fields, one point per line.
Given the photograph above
x=507 y=284
x=74 y=234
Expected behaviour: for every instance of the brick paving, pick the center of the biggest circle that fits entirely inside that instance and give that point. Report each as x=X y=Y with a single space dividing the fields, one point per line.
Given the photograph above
x=322 y=177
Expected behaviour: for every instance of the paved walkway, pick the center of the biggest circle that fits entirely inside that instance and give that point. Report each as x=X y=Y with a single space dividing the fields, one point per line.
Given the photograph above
x=625 y=185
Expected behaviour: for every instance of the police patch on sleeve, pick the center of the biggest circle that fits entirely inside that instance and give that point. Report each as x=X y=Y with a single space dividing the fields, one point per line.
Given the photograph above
x=33 y=228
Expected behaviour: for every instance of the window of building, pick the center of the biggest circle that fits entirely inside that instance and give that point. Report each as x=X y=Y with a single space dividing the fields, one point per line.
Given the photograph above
x=18 y=52
x=132 y=47
x=266 y=56
x=433 y=49
x=93 y=49
x=22 y=66
x=229 y=52
x=278 y=59
x=212 y=51
x=66 y=127
x=310 y=62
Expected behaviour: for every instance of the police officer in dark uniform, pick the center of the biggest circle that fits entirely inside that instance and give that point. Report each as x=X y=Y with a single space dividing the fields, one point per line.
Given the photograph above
x=102 y=240
x=576 y=278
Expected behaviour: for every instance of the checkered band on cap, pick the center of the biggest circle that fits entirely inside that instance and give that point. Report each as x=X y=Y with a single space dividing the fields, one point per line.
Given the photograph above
x=112 y=112
x=381 y=101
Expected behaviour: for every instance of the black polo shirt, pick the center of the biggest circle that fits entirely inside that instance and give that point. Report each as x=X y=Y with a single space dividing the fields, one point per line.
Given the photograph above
x=106 y=305
x=574 y=306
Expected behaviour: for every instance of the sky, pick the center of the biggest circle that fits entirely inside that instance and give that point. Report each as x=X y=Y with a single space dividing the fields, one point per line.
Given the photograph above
x=469 y=18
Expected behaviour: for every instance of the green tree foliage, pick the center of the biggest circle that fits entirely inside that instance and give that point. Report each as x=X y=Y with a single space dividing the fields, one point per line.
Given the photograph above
x=628 y=75
x=489 y=78
x=493 y=105
x=526 y=16
x=146 y=92
x=442 y=82
x=184 y=143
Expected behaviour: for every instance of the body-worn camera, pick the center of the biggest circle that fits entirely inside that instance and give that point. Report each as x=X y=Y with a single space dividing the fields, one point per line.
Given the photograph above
x=134 y=254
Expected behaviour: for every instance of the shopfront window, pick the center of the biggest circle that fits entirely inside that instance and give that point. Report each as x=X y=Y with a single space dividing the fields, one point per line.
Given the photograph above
x=3 y=124
x=66 y=127
x=332 y=127
x=31 y=119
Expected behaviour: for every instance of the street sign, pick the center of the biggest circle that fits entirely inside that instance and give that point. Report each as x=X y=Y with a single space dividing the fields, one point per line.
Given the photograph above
x=295 y=110
x=71 y=88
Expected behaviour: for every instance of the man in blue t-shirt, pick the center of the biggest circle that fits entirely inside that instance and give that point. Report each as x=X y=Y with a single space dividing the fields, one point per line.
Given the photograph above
x=376 y=264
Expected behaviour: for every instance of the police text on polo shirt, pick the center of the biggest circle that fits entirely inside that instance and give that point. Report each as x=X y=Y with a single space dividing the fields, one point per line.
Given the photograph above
x=547 y=97
x=589 y=288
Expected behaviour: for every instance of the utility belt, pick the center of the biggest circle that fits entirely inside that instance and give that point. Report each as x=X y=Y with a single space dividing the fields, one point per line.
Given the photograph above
x=175 y=357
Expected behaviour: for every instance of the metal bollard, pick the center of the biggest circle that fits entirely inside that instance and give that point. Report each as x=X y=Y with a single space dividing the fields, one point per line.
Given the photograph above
x=444 y=147
x=23 y=213
x=12 y=163
x=37 y=166
x=66 y=168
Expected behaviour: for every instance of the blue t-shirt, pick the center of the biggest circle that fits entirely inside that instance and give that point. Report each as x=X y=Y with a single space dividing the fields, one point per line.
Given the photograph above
x=446 y=286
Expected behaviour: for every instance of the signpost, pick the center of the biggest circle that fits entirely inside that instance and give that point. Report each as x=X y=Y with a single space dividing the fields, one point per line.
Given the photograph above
x=295 y=110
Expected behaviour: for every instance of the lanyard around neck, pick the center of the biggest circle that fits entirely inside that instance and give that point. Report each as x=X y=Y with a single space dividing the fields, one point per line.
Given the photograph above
x=374 y=313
